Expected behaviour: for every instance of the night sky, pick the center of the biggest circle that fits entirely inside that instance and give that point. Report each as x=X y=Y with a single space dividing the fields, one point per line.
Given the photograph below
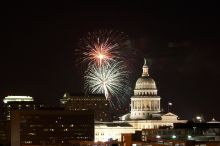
x=180 y=41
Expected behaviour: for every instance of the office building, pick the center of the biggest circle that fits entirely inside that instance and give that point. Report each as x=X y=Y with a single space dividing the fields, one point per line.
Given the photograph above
x=94 y=102
x=51 y=126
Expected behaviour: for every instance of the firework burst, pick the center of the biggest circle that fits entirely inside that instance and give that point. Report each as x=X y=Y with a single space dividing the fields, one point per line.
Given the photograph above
x=111 y=80
x=104 y=54
x=102 y=47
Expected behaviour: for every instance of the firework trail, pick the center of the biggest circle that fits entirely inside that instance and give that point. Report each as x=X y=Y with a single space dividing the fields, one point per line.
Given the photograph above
x=111 y=80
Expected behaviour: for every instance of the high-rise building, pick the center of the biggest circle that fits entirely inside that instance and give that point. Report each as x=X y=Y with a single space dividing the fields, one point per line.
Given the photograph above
x=21 y=105
x=51 y=126
x=94 y=102
x=11 y=103
x=19 y=102
x=4 y=140
x=3 y=125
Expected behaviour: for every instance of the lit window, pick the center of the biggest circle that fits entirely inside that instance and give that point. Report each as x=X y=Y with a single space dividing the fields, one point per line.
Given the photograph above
x=157 y=136
x=174 y=136
x=45 y=129
x=27 y=142
x=51 y=129
x=31 y=133
x=65 y=129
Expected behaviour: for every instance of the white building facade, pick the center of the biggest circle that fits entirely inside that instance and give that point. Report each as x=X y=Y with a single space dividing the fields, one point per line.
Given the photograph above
x=111 y=131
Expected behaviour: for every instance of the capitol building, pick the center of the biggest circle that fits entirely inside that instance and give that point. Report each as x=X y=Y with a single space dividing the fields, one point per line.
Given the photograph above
x=145 y=103
x=145 y=112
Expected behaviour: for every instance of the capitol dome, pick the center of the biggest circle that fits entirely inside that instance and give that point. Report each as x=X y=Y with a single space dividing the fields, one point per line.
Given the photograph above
x=145 y=85
x=145 y=82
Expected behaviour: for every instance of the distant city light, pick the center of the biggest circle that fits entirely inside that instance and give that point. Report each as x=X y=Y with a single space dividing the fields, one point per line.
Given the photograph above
x=198 y=118
x=157 y=136
x=189 y=136
x=173 y=136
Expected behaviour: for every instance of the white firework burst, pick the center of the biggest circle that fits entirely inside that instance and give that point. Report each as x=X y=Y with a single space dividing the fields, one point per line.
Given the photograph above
x=111 y=80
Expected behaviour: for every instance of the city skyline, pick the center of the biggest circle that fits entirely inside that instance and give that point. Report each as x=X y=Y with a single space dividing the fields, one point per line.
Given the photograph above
x=179 y=40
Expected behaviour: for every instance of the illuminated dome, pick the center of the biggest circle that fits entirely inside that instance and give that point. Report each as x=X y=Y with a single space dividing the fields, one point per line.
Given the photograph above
x=145 y=85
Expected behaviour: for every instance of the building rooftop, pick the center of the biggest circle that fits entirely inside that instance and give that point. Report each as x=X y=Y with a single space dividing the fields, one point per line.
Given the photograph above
x=82 y=95
x=110 y=124
x=17 y=98
x=191 y=124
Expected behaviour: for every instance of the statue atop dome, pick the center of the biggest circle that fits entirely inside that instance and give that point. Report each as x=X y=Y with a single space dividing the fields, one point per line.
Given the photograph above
x=145 y=62
x=145 y=69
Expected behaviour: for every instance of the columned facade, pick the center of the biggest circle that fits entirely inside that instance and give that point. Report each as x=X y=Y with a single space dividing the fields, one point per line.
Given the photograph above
x=145 y=100
x=139 y=104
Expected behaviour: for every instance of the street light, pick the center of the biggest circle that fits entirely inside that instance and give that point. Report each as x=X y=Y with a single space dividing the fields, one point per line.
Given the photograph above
x=189 y=136
x=194 y=130
x=168 y=106
x=157 y=137
x=173 y=136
